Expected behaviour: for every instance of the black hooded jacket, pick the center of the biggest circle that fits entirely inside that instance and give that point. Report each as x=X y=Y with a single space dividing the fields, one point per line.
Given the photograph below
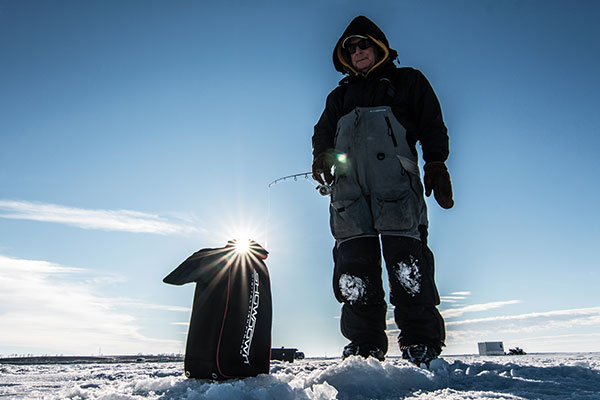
x=405 y=90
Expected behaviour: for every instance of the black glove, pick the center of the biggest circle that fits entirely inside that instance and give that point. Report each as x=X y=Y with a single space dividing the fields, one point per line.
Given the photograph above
x=437 y=179
x=322 y=165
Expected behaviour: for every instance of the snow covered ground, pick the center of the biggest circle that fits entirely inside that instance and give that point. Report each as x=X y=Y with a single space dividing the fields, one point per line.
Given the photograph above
x=542 y=376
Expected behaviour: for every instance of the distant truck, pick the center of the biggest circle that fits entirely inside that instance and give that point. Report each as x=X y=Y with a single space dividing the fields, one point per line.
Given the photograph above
x=517 y=351
x=491 y=348
x=286 y=354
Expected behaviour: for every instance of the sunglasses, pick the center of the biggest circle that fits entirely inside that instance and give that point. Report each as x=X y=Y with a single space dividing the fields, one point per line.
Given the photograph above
x=362 y=44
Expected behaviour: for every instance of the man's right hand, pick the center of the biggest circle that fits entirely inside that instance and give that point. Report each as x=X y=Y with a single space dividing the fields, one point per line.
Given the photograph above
x=321 y=167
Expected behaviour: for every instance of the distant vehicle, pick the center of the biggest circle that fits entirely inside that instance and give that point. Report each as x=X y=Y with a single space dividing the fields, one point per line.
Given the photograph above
x=285 y=354
x=299 y=355
x=517 y=351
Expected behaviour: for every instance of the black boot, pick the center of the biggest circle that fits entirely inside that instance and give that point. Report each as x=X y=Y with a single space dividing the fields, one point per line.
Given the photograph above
x=420 y=354
x=365 y=350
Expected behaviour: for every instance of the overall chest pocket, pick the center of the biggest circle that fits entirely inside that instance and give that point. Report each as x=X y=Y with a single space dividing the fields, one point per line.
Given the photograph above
x=350 y=218
x=396 y=214
x=397 y=202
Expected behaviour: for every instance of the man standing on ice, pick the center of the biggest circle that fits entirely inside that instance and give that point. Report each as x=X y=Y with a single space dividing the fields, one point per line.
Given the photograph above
x=367 y=135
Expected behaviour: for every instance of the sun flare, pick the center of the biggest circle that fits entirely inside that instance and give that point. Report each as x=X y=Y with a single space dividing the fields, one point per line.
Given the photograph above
x=242 y=246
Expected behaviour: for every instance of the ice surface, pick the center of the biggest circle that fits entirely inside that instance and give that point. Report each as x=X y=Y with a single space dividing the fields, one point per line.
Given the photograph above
x=545 y=376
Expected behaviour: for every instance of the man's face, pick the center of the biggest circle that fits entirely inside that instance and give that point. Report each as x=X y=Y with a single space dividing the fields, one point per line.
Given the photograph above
x=361 y=59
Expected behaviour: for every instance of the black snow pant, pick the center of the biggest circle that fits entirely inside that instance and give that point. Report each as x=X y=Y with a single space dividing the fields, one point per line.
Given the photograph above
x=357 y=283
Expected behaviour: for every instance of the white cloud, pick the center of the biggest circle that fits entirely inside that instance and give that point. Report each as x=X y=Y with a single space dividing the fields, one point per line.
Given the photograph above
x=451 y=299
x=43 y=307
x=158 y=307
x=455 y=297
x=589 y=315
x=457 y=312
x=109 y=220
x=558 y=330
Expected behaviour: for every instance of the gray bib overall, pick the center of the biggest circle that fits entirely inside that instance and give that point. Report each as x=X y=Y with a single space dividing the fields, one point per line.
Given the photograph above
x=377 y=187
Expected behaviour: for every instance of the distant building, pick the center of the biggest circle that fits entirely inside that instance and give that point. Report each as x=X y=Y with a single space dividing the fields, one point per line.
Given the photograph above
x=491 y=349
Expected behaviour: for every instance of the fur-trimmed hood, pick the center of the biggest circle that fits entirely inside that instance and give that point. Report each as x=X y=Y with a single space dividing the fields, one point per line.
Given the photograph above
x=362 y=26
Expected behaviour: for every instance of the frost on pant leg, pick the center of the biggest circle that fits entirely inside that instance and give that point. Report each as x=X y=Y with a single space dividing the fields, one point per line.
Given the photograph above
x=352 y=288
x=357 y=271
x=411 y=271
x=413 y=291
x=358 y=285
x=406 y=272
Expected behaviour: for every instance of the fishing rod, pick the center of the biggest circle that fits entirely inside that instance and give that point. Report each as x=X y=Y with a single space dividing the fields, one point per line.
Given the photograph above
x=324 y=190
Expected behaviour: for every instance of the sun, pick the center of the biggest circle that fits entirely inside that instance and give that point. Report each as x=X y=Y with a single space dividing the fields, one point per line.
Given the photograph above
x=242 y=246
x=240 y=233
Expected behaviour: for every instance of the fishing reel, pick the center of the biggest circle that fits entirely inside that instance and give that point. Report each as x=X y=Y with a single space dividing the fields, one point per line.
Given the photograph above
x=324 y=190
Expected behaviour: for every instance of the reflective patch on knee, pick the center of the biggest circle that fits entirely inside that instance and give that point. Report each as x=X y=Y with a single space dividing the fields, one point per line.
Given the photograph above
x=407 y=273
x=352 y=288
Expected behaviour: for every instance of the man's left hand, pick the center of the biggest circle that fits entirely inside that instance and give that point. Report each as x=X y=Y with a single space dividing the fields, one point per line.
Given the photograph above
x=437 y=179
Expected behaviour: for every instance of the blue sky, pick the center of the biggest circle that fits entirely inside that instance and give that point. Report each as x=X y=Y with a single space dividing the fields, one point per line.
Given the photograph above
x=135 y=133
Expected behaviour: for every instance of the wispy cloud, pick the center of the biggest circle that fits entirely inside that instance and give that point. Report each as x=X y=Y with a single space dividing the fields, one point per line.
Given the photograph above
x=569 y=330
x=574 y=329
x=158 y=307
x=452 y=299
x=590 y=315
x=455 y=297
x=457 y=312
x=109 y=220
x=57 y=309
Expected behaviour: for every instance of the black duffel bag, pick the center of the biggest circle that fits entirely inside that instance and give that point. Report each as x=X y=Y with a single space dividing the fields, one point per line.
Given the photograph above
x=230 y=327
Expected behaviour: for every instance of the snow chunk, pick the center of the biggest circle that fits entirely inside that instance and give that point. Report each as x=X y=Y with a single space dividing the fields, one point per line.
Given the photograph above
x=359 y=378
